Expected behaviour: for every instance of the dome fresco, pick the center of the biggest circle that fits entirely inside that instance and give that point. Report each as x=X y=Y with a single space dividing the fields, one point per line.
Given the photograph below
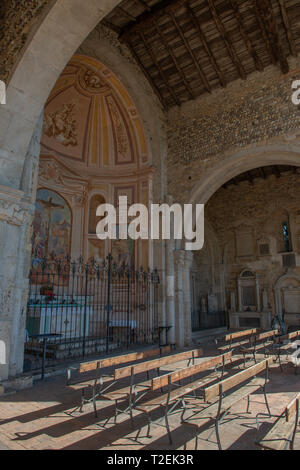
x=90 y=118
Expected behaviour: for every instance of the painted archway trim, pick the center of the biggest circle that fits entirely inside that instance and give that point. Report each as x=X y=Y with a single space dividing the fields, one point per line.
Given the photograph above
x=57 y=38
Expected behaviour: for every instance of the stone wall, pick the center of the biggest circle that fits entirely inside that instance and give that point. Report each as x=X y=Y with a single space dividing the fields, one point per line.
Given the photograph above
x=203 y=133
x=246 y=219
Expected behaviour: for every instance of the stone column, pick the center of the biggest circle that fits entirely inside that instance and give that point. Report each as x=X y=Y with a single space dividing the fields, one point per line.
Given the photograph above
x=170 y=283
x=187 y=304
x=179 y=256
x=240 y=295
x=16 y=215
x=258 y=295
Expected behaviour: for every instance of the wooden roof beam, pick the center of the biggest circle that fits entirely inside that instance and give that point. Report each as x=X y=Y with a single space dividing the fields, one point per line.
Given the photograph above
x=160 y=70
x=150 y=15
x=195 y=61
x=263 y=31
x=263 y=173
x=143 y=4
x=269 y=25
x=229 y=46
x=271 y=21
x=288 y=28
x=205 y=44
x=170 y=51
x=152 y=83
x=126 y=14
x=251 y=49
x=276 y=171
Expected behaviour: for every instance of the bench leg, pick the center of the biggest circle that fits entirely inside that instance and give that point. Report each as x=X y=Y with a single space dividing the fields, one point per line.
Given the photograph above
x=116 y=411
x=218 y=434
x=248 y=404
x=266 y=401
x=168 y=427
x=94 y=402
x=149 y=425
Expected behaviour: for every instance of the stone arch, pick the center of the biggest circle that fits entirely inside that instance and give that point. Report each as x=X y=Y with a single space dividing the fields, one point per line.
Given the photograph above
x=57 y=37
x=237 y=163
x=291 y=278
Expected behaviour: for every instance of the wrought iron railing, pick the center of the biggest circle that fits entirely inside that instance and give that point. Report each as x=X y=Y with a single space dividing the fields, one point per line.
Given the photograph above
x=94 y=308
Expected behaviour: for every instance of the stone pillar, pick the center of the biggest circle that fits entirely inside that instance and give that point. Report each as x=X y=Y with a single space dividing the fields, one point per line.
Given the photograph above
x=179 y=256
x=16 y=215
x=170 y=283
x=187 y=304
x=240 y=295
x=258 y=295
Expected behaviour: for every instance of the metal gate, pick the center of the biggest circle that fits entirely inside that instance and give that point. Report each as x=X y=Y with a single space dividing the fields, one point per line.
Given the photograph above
x=91 y=309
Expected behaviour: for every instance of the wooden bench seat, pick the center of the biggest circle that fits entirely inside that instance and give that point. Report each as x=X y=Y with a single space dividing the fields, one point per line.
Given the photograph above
x=135 y=390
x=258 y=342
x=99 y=375
x=234 y=340
x=284 y=344
x=220 y=403
x=283 y=431
x=176 y=394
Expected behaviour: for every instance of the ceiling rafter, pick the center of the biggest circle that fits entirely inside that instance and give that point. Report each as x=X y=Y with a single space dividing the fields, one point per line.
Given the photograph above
x=191 y=53
x=229 y=46
x=170 y=51
x=160 y=70
x=191 y=47
x=251 y=49
x=205 y=44
x=288 y=28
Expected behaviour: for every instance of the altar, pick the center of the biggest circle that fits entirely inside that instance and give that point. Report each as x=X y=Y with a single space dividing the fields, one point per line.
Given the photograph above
x=66 y=320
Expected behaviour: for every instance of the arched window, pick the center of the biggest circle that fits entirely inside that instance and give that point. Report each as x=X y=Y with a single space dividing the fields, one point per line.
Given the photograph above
x=286 y=236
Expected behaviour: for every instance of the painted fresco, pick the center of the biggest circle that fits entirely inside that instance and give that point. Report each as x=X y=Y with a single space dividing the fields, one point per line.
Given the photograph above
x=51 y=226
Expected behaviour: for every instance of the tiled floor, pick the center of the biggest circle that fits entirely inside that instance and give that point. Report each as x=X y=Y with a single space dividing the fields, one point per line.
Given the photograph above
x=39 y=419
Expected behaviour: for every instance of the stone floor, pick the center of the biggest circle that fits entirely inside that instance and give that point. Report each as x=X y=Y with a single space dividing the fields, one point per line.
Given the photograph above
x=38 y=419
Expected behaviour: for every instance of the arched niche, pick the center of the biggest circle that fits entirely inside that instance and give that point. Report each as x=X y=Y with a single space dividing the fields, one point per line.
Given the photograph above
x=287 y=298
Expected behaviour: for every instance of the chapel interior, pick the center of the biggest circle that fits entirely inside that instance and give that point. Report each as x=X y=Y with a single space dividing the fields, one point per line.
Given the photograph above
x=163 y=102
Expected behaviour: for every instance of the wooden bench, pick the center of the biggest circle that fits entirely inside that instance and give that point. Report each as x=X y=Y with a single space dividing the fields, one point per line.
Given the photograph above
x=99 y=377
x=258 y=342
x=235 y=340
x=135 y=391
x=220 y=403
x=285 y=343
x=176 y=393
x=282 y=434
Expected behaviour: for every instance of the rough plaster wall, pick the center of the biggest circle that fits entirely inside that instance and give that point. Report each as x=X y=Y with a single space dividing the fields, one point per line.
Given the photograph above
x=202 y=133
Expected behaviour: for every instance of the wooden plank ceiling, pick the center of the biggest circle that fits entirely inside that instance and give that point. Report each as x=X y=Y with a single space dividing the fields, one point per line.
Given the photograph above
x=188 y=48
x=263 y=173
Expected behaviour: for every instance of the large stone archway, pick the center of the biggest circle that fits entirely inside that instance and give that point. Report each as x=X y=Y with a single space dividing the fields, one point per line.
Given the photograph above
x=60 y=32
x=59 y=35
x=284 y=153
x=281 y=154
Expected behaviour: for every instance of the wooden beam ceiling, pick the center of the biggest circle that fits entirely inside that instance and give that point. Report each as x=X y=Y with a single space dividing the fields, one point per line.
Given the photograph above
x=187 y=48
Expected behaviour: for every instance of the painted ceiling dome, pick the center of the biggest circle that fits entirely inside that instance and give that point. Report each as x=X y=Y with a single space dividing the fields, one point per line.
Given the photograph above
x=90 y=119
